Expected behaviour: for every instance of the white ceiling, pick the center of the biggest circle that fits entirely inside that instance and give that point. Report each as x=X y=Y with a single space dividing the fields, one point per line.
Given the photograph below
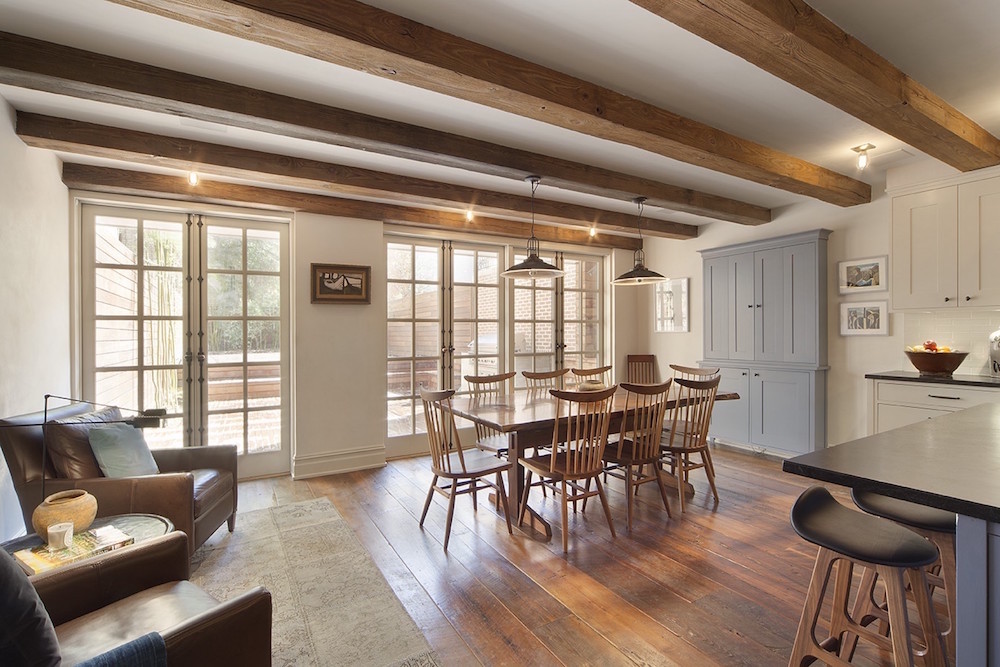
x=948 y=46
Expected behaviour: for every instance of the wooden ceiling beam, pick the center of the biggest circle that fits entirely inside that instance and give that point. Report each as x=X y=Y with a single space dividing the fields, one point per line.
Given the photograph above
x=145 y=184
x=38 y=65
x=81 y=138
x=791 y=40
x=364 y=38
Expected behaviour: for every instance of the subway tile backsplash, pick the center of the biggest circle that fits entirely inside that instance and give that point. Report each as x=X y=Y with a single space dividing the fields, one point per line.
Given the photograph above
x=964 y=330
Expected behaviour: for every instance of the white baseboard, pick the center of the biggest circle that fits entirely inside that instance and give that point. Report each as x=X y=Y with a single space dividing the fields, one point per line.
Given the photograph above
x=331 y=463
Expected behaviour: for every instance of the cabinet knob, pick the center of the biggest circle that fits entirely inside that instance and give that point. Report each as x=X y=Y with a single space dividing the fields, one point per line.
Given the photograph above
x=744 y=373
x=758 y=305
x=749 y=305
x=947 y=299
x=968 y=298
x=756 y=375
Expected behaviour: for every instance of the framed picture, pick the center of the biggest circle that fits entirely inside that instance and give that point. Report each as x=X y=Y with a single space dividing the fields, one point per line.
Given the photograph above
x=672 y=305
x=341 y=283
x=864 y=318
x=863 y=275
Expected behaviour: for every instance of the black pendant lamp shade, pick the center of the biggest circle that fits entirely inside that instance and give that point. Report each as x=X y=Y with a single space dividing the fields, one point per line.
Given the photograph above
x=639 y=274
x=534 y=267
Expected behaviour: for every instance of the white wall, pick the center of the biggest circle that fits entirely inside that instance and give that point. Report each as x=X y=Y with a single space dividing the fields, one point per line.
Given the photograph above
x=339 y=352
x=34 y=289
x=860 y=231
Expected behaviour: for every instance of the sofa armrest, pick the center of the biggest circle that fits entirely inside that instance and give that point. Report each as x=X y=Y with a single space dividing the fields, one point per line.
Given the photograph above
x=237 y=632
x=220 y=457
x=170 y=495
x=79 y=588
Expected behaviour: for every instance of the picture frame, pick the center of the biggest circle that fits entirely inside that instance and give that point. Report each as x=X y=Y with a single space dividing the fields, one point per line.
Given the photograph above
x=671 y=309
x=864 y=318
x=868 y=274
x=340 y=283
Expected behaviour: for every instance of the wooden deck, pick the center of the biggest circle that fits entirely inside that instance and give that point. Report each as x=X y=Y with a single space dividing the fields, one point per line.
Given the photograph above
x=719 y=585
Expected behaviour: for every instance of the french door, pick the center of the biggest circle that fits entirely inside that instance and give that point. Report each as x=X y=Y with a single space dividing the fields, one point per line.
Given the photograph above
x=189 y=313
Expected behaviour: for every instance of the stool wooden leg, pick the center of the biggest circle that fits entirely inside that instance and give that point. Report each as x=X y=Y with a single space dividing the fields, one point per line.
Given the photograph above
x=929 y=624
x=806 y=647
x=946 y=547
x=862 y=613
x=895 y=595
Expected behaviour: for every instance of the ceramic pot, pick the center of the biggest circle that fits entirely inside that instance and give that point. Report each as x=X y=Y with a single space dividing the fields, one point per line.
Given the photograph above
x=75 y=506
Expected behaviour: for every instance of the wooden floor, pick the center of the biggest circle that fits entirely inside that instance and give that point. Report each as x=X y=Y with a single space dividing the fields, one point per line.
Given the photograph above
x=719 y=585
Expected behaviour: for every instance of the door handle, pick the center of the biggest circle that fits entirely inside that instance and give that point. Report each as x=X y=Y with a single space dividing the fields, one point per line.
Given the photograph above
x=947 y=299
x=949 y=398
x=968 y=298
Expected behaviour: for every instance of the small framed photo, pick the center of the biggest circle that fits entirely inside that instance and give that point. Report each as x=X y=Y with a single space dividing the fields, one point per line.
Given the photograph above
x=863 y=275
x=864 y=318
x=341 y=283
x=672 y=305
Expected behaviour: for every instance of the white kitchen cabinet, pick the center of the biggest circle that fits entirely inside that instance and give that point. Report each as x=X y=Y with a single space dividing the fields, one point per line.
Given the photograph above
x=895 y=401
x=945 y=242
x=765 y=327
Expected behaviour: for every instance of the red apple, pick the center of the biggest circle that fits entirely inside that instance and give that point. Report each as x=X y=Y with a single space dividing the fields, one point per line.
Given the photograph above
x=930 y=345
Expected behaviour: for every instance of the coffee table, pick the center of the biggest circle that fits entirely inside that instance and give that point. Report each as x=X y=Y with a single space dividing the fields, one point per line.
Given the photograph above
x=142 y=527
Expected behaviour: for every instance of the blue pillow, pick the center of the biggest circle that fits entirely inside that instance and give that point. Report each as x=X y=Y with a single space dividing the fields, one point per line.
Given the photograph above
x=121 y=451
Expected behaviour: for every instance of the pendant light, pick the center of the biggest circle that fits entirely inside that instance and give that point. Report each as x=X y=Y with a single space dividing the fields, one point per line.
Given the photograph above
x=534 y=267
x=639 y=275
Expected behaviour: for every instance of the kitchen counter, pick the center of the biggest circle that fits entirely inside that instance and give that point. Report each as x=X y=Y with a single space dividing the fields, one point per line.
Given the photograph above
x=914 y=376
x=951 y=462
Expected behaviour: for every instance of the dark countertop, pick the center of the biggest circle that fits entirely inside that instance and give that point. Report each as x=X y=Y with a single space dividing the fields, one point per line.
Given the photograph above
x=951 y=462
x=914 y=376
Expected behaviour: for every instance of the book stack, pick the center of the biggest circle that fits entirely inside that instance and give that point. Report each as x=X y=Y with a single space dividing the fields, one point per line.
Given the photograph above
x=85 y=544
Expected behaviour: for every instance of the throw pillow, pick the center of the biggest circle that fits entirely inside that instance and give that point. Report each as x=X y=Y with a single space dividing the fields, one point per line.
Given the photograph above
x=26 y=633
x=121 y=451
x=69 y=446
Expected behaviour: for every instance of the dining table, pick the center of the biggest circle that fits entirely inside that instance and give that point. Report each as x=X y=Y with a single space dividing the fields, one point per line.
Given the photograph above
x=528 y=417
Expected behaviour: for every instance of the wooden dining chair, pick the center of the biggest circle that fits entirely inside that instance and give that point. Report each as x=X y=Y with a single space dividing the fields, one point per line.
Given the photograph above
x=693 y=373
x=489 y=389
x=687 y=432
x=581 y=375
x=544 y=380
x=640 y=368
x=578 y=442
x=638 y=447
x=462 y=471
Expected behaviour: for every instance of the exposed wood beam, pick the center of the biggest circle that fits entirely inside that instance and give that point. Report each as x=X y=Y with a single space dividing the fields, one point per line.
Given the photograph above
x=370 y=40
x=38 y=65
x=145 y=184
x=789 y=39
x=94 y=140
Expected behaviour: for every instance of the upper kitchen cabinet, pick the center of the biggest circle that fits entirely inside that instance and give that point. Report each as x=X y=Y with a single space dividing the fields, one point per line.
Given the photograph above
x=945 y=243
x=766 y=300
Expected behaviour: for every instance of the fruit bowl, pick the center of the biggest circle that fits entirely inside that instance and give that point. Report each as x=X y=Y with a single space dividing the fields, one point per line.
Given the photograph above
x=940 y=364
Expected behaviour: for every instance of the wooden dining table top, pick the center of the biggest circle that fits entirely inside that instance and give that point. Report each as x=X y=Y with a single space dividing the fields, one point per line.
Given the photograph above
x=528 y=409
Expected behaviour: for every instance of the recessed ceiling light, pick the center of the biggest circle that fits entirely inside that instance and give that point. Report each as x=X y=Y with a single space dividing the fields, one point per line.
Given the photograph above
x=593 y=232
x=468 y=216
x=193 y=178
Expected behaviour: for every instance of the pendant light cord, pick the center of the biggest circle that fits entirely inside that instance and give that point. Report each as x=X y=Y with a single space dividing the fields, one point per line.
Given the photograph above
x=534 y=180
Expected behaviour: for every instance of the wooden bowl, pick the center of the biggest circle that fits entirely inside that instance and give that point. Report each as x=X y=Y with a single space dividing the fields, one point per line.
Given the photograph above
x=940 y=364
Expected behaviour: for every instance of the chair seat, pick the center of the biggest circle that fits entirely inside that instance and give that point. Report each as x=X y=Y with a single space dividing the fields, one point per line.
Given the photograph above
x=210 y=486
x=476 y=463
x=493 y=443
x=817 y=517
x=902 y=511
x=153 y=610
x=627 y=455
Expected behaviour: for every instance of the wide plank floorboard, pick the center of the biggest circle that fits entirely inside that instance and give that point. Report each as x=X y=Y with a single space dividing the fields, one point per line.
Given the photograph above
x=721 y=584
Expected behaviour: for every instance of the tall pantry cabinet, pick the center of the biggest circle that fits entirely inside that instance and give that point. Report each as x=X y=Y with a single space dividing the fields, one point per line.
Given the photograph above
x=765 y=328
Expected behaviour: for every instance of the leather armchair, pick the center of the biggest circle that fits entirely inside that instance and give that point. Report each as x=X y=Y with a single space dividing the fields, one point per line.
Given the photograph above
x=196 y=487
x=102 y=602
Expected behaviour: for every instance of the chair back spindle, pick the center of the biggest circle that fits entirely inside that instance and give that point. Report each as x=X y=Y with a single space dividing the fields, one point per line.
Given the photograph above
x=641 y=368
x=588 y=416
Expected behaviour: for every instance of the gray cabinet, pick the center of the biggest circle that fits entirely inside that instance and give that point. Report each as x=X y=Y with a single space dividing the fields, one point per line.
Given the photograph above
x=766 y=328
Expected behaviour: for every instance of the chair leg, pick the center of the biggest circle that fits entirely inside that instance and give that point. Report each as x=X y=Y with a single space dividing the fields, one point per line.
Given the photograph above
x=629 y=500
x=524 y=499
x=427 y=503
x=451 y=512
x=474 y=491
x=604 y=502
x=502 y=496
x=565 y=519
x=663 y=491
x=679 y=475
x=706 y=459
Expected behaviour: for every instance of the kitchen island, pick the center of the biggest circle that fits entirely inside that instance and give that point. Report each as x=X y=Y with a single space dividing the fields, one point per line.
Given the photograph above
x=951 y=462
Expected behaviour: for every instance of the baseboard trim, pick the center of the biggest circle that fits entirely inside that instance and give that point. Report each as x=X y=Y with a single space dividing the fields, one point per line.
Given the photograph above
x=332 y=463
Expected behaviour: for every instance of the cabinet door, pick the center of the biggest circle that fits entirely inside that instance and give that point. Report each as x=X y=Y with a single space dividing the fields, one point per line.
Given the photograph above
x=741 y=298
x=801 y=304
x=888 y=416
x=979 y=243
x=924 y=262
x=780 y=410
x=731 y=419
x=769 y=304
x=718 y=308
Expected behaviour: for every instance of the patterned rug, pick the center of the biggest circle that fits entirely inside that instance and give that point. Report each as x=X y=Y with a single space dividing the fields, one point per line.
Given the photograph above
x=332 y=606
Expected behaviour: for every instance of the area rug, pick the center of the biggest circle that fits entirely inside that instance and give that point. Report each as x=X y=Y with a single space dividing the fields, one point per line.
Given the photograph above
x=332 y=606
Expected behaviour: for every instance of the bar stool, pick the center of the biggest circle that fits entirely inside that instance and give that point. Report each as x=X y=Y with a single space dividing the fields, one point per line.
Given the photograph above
x=936 y=525
x=847 y=538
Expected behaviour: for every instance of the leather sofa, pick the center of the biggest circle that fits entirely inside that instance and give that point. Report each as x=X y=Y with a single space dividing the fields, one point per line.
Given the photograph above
x=196 y=487
x=114 y=598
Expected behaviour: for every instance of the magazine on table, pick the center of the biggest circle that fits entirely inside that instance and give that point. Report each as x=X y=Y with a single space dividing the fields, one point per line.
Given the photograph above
x=86 y=543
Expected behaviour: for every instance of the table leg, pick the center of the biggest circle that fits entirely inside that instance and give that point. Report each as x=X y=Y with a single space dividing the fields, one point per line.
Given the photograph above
x=533 y=522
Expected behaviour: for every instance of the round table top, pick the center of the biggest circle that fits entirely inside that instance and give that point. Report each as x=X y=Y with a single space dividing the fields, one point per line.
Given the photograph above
x=140 y=526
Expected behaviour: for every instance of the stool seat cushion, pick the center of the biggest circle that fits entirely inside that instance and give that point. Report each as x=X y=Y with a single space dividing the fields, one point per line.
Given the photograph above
x=817 y=517
x=902 y=511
